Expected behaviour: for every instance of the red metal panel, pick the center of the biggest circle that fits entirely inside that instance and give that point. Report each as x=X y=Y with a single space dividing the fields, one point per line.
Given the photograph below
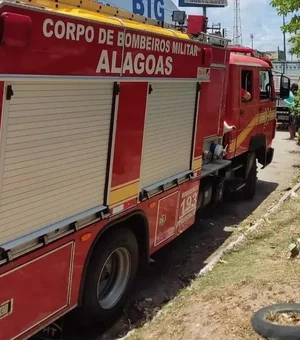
x=232 y=111
x=239 y=59
x=198 y=141
x=225 y=94
x=37 y=290
x=188 y=192
x=188 y=205
x=219 y=55
x=61 y=55
x=248 y=113
x=197 y=24
x=17 y=30
x=210 y=103
x=44 y=274
x=163 y=57
x=64 y=45
x=268 y=107
x=166 y=217
x=129 y=133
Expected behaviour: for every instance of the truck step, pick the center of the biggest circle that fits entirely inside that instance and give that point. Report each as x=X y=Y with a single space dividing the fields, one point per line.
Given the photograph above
x=240 y=187
x=236 y=167
x=234 y=185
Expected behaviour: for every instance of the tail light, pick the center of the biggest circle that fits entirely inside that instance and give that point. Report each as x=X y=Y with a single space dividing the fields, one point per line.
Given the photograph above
x=15 y=29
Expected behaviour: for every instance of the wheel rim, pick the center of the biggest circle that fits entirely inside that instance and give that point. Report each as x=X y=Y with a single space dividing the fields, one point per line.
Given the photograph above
x=113 y=278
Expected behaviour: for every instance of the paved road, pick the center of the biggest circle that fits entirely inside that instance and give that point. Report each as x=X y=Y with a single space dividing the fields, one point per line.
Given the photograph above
x=176 y=265
x=287 y=155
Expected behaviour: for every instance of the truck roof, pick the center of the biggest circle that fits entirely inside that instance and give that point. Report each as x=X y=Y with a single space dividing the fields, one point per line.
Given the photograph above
x=92 y=10
x=246 y=60
x=95 y=11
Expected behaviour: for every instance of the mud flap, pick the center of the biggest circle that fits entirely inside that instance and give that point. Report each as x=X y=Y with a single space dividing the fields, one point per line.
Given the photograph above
x=269 y=157
x=250 y=159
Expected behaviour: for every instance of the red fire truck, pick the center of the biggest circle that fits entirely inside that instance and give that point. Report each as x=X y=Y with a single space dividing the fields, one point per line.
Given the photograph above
x=114 y=132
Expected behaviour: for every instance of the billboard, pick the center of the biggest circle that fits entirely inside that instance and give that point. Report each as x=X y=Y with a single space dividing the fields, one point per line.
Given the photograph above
x=160 y=10
x=203 y=3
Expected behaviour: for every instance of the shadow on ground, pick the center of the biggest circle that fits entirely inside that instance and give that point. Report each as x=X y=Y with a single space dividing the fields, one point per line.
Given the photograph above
x=176 y=265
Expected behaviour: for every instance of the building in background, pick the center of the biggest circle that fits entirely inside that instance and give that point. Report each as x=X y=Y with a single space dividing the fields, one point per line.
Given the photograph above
x=289 y=68
x=160 y=10
x=273 y=55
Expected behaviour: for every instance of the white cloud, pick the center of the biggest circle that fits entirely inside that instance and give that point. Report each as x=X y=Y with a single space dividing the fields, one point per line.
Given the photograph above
x=258 y=17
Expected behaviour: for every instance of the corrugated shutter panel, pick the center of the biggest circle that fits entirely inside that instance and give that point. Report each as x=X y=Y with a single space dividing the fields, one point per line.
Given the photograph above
x=169 y=131
x=53 y=153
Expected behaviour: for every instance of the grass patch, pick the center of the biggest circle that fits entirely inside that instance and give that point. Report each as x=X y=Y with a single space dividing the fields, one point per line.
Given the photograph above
x=220 y=305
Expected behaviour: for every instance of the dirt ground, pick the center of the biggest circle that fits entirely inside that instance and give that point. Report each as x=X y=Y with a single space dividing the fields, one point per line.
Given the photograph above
x=177 y=264
x=220 y=305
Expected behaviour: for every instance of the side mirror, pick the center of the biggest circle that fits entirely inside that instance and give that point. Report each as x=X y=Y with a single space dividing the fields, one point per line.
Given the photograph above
x=285 y=85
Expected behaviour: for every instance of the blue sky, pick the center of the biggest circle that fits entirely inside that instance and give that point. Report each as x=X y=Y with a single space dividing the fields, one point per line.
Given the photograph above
x=258 y=17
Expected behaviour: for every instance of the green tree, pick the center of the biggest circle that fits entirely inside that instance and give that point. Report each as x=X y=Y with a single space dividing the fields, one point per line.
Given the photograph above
x=292 y=7
x=296 y=106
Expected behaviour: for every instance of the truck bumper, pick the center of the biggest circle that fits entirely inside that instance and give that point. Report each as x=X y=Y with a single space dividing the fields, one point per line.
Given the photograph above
x=269 y=156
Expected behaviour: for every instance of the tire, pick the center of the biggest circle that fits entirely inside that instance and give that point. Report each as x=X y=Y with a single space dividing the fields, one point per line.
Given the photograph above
x=251 y=181
x=274 y=331
x=115 y=263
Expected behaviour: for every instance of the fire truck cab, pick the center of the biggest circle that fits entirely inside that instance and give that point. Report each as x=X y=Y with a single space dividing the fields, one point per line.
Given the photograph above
x=254 y=120
x=114 y=132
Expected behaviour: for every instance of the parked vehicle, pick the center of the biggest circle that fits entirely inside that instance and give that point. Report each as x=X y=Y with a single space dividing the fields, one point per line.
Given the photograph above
x=114 y=131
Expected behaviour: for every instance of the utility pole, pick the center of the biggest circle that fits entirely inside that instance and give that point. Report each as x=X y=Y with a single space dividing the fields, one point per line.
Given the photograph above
x=284 y=45
x=252 y=39
x=237 y=27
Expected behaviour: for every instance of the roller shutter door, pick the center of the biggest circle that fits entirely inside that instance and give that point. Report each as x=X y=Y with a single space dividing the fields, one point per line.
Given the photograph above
x=53 y=153
x=168 y=131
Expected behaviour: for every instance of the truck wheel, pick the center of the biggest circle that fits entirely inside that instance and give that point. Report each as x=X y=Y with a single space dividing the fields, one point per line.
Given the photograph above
x=110 y=276
x=250 y=187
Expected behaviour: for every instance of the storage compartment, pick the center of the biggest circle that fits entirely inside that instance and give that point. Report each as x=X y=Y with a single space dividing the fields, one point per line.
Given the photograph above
x=166 y=217
x=54 y=149
x=169 y=130
x=212 y=96
x=33 y=292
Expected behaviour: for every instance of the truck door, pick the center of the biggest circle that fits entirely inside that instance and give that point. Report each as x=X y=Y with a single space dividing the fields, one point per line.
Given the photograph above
x=267 y=107
x=248 y=109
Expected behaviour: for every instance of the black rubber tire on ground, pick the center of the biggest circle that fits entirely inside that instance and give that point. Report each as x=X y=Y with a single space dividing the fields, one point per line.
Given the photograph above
x=251 y=181
x=274 y=331
x=91 y=311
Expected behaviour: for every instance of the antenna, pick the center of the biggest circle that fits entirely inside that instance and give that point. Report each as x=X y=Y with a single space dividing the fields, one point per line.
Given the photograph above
x=252 y=39
x=237 y=28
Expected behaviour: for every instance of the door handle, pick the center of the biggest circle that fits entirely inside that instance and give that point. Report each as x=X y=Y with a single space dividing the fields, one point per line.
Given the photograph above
x=242 y=112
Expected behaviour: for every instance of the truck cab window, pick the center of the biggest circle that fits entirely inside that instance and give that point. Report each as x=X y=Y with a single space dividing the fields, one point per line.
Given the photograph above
x=264 y=84
x=247 y=86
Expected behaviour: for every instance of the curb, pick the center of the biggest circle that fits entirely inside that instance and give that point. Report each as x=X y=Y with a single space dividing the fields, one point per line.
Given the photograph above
x=241 y=239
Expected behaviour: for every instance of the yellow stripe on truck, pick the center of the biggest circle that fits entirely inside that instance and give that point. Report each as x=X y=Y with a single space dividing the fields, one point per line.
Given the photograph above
x=261 y=118
x=197 y=164
x=122 y=194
